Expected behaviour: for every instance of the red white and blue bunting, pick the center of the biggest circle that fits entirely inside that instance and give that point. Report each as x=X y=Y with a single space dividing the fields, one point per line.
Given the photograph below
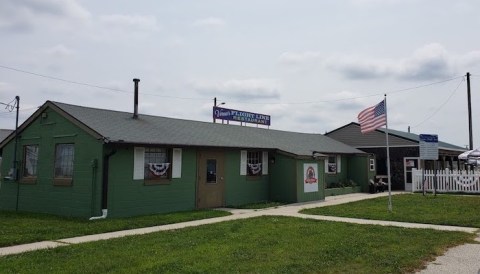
x=255 y=168
x=158 y=169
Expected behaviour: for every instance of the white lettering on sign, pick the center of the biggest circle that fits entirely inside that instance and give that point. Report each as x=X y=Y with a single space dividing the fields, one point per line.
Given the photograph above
x=428 y=146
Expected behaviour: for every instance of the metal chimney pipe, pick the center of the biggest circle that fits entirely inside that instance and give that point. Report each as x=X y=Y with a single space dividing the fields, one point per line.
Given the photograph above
x=135 y=103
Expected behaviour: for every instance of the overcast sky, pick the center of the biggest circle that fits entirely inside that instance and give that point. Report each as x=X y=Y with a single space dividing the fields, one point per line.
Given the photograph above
x=311 y=65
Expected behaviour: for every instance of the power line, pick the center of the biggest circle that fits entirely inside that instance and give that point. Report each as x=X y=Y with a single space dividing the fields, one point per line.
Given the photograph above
x=358 y=97
x=442 y=105
x=427 y=85
x=63 y=80
x=93 y=85
x=9 y=106
x=5 y=113
x=243 y=102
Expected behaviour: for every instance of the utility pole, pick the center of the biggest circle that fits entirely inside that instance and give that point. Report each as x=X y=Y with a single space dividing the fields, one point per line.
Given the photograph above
x=15 y=161
x=214 y=105
x=469 y=113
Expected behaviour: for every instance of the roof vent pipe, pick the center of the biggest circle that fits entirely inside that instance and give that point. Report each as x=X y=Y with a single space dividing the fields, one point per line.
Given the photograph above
x=135 y=103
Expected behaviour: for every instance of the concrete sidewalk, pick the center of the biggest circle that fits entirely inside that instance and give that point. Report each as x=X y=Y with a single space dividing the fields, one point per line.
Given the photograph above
x=461 y=259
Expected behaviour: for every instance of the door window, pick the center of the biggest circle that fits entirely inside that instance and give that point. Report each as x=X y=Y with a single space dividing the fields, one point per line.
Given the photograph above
x=409 y=165
x=211 y=171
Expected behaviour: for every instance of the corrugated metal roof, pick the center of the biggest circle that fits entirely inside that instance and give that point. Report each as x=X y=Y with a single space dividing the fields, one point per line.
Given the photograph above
x=118 y=126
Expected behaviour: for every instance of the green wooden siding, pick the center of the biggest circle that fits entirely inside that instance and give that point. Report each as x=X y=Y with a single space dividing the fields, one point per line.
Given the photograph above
x=359 y=171
x=283 y=179
x=342 y=177
x=242 y=189
x=42 y=195
x=303 y=196
x=128 y=197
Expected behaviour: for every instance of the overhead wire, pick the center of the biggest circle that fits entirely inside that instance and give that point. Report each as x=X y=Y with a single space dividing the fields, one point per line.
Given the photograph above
x=21 y=110
x=242 y=102
x=358 y=97
x=9 y=106
x=63 y=80
x=92 y=85
x=442 y=105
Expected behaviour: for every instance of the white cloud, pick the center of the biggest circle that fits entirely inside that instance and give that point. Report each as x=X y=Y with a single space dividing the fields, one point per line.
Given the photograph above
x=175 y=42
x=131 y=22
x=295 y=58
x=429 y=62
x=470 y=59
x=27 y=15
x=210 y=22
x=353 y=67
x=240 y=89
x=6 y=87
x=60 y=50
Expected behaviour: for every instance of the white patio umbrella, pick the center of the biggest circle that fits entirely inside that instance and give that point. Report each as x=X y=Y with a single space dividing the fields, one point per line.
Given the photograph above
x=472 y=157
x=474 y=154
x=464 y=156
x=470 y=154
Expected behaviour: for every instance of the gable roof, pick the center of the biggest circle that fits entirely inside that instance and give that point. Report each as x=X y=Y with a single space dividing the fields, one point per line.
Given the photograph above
x=120 y=127
x=404 y=135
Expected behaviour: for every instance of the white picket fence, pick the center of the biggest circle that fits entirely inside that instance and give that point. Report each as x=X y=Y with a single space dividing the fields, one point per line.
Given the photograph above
x=442 y=181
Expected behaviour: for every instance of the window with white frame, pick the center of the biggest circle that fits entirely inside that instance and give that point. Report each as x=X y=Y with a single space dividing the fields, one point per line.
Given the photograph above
x=333 y=164
x=157 y=163
x=253 y=163
x=372 y=164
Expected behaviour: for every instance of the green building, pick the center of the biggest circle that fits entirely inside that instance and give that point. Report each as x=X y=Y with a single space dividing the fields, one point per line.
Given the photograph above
x=86 y=162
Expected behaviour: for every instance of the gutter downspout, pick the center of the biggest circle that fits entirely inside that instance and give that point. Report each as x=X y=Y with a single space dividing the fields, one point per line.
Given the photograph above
x=106 y=160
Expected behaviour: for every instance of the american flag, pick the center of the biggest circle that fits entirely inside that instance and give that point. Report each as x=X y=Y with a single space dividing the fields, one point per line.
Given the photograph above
x=372 y=118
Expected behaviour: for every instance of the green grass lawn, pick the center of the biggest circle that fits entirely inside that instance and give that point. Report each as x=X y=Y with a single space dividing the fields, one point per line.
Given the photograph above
x=18 y=228
x=256 y=245
x=453 y=210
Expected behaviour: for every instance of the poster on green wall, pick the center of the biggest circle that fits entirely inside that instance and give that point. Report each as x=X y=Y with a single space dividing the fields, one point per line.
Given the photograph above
x=310 y=177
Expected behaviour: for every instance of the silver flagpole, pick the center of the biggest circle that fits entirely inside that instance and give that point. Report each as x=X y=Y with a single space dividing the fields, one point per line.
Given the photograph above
x=388 y=157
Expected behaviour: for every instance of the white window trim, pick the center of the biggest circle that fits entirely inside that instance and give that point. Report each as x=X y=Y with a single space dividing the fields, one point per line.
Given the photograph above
x=265 y=163
x=371 y=163
x=176 y=163
x=139 y=163
x=244 y=159
x=338 y=159
x=243 y=162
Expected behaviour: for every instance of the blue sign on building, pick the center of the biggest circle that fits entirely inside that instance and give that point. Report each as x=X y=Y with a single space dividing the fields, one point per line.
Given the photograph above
x=240 y=116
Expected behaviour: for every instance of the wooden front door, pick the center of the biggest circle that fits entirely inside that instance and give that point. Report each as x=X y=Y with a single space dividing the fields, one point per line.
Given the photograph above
x=210 y=179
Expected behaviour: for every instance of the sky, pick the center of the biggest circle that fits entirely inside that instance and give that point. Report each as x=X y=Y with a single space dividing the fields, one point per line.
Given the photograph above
x=311 y=65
